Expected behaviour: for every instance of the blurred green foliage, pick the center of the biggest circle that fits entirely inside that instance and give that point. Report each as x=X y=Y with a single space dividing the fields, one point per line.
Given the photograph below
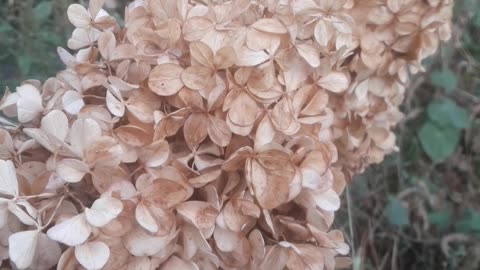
x=420 y=209
x=31 y=31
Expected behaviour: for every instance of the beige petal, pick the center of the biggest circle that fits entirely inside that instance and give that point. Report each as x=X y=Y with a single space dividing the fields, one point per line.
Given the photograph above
x=201 y=53
x=164 y=79
x=92 y=255
x=257 y=40
x=316 y=105
x=197 y=77
x=249 y=58
x=56 y=124
x=270 y=26
x=335 y=81
x=201 y=214
x=276 y=258
x=140 y=243
x=219 y=131
x=145 y=218
x=94 y=7
x=271 y=187
x=309 y=54
x=156 y=154
x=72 y=170
x=305 y=256
x=236 y=160
x=243 y=111
x=238 y=213
x=328 y=201
x=176 y=263
x=195 y=28
x=104 y=151
x=47 y=252
x=265 y=132
x=114 y=105
x=133 y=136
x=226 y=240
x=165 y=193
x=225 y=57
x=195 y=129
x=106 y=44
x=258 y=246
x=380 y=15
x=83 y=133
x=323 y=32
x=82 y=38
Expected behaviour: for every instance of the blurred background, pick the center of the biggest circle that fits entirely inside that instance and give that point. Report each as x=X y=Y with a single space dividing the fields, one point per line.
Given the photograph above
x=420 y=209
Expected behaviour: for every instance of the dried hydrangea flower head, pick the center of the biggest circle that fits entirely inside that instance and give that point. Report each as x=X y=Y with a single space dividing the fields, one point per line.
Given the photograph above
x=206 y=134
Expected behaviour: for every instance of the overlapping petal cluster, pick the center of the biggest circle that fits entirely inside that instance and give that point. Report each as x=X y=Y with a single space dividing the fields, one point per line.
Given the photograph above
x=206 y=134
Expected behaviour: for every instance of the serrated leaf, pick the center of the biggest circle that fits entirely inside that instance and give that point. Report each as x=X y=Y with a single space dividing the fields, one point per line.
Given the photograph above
x=446 y=113
x=438 y=143
x=445 y=79
x=396 y=213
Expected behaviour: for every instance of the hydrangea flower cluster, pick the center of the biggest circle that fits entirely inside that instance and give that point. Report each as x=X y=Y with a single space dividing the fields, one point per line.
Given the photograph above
x=206 y=134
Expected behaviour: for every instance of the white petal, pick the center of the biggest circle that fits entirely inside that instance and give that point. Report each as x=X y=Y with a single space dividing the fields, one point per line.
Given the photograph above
x=92 y=255
x=78 y=16
x=71 y=170
x=29 y=103
x=71 y=232
x=22 y=248
x=145 y=219
x=72 y=102
x=328 y=201
x=140 y=243
x=8 y=178
x=83 y=133
x=103 y=211
x=47 y=253
x=56 y=124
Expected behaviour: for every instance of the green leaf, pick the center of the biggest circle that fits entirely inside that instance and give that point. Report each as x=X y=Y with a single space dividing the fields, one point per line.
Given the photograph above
x=395 y=213
x=441 y=219
x=476 y=19
x=446 y=114
x=42 y=11
x=438 y=143
x=469 y=222
x=445 y=79
x=24 y=63
x=5 y=27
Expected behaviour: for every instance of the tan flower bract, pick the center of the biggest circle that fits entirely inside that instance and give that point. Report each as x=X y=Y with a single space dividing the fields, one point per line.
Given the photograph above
x=206 y=134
